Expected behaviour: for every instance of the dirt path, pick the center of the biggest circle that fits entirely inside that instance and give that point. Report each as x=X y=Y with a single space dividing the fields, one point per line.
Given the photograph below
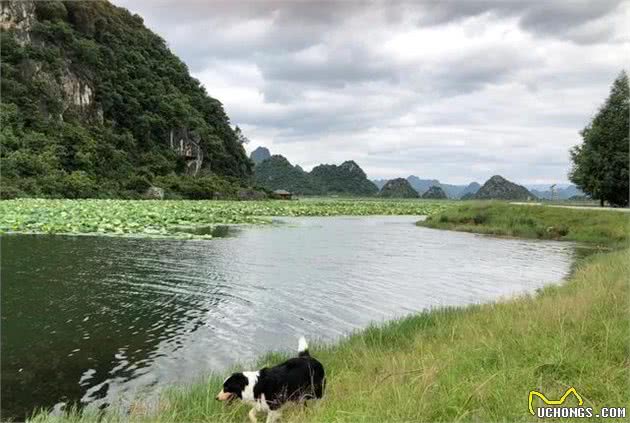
x=625 y=210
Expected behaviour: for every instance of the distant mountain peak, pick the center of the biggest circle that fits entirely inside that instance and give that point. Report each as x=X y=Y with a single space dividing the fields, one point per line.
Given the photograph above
x=435 y=193
x=350 y=165
x=398 y=188
x=497 y=178
x=259 y=155
x=497 y=187
x=423 y=185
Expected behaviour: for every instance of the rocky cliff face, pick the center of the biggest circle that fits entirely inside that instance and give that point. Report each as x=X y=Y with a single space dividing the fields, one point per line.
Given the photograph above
x=78 y=92
x=500 y=188
x=18 y=16
x=398 y=188
x=75 y=93
x=111 y=107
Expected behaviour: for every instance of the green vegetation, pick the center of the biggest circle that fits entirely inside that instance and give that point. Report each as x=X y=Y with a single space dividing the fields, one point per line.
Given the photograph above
x=347 y=178
x=499 y=188
x=175 y=218
x=496 y=218
x=277 y=172
x=435 y=192
x=95 y=105
x=476 y=363
x=600 y=163
x=398 y=188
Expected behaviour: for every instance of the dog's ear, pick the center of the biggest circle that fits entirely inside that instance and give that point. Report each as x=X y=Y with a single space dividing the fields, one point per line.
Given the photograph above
x=262 y=371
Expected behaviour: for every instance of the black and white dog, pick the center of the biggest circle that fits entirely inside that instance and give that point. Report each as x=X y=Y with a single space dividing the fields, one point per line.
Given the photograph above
x=268 y=389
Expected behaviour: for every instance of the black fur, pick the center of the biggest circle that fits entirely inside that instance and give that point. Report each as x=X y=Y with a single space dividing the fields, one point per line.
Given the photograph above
x=235 y=384
x=297 y=379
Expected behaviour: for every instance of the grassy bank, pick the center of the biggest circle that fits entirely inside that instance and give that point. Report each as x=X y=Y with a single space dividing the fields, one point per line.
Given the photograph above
x=174 y=218
x=497 y=218
x=474 y=363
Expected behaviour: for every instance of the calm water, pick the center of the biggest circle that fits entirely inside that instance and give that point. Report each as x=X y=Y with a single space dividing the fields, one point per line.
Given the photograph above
x=99 y=319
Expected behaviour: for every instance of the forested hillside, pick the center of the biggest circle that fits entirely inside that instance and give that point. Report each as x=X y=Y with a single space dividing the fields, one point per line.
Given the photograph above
x=346 y=179
x=278 y=173
x=398 y=188
x=95 y=105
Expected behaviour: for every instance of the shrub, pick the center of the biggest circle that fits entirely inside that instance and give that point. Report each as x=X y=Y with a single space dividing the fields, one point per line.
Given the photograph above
x=9 y=190
x=197 y=188
x=78 y=184
x=138 y=184
x=480 y=218
x=50 y=10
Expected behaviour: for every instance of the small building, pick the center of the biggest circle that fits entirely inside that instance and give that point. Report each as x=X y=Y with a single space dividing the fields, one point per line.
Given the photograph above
x=281 y=194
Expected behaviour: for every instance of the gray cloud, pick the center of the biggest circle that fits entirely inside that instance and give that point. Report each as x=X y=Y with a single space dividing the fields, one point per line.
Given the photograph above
x=454 y=90
x=569 y=19
x=553 y=18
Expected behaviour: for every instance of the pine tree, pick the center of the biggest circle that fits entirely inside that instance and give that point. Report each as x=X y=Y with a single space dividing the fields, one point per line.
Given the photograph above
x=600 y=163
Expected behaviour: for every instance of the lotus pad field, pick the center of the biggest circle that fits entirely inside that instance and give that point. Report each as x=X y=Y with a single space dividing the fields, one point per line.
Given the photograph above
x=176 y=218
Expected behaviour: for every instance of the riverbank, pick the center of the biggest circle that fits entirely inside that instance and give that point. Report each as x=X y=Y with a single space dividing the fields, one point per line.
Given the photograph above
x=542 y=222
x=472 y=363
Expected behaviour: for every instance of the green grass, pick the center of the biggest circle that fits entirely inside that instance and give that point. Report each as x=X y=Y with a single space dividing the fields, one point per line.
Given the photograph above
x=175 y=218
x=497 y=218
x=475 y=363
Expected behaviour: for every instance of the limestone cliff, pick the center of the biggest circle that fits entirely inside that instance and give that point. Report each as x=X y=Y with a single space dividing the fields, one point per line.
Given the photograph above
x=111 y=107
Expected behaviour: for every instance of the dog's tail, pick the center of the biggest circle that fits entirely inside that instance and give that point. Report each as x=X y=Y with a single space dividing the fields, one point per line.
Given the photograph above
x=303 y=348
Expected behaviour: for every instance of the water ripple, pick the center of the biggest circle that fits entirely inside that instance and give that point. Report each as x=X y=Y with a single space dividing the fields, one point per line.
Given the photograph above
x=103 y=319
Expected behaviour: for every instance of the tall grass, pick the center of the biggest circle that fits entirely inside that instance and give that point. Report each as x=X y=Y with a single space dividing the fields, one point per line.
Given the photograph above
x=497 y=218
x=476 y=363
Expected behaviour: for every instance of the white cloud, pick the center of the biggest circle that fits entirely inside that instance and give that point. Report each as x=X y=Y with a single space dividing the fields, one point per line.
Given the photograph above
x=457 y=91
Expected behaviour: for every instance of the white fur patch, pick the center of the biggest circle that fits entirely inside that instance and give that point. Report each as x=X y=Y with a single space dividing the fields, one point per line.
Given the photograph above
x=248 y=392
x=302 y=345
x=262 y=405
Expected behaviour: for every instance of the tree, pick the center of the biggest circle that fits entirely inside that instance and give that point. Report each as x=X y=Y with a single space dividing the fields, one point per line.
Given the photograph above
x=600 y=163
x=241 y=138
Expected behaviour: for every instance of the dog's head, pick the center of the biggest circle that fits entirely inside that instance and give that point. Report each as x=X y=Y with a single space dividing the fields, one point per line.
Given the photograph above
x=233 y=387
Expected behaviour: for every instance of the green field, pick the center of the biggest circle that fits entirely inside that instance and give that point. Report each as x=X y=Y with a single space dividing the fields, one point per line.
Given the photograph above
x=175 y=218
x=475 y=363
x=497 y=218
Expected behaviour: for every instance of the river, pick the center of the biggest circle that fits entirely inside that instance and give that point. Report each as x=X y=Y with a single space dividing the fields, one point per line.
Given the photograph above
x=99 y=320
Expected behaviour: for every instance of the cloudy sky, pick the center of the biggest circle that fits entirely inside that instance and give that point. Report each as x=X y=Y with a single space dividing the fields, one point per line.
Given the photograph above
x=452 y=90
